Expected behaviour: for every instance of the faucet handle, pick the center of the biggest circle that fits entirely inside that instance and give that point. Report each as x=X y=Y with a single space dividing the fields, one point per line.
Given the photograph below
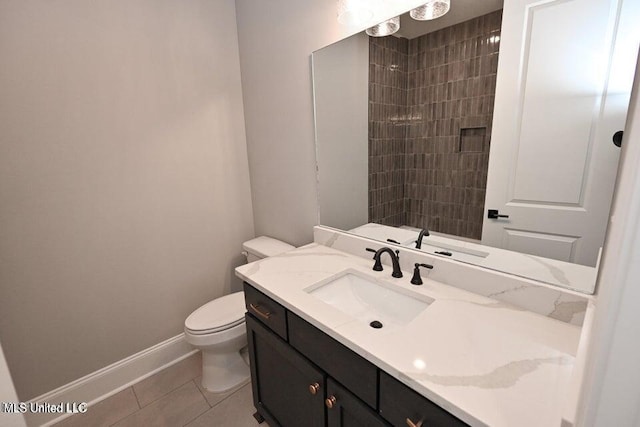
x=378 y=264
x=397 y=273
x=416 y=279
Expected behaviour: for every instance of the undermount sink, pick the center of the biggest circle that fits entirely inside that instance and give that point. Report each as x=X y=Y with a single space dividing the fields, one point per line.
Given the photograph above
x=370 y=301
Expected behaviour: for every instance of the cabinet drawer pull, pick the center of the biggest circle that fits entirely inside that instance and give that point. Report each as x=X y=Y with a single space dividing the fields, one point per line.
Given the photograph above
x=313 y=388
x=256 y=309
x=412 y=424
x=330 y=401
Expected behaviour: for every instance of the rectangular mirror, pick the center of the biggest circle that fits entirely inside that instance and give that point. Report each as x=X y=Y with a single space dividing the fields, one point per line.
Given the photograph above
x=490 y=127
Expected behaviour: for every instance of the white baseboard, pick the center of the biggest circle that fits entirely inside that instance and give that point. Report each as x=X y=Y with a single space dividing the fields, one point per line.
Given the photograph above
x=111 y=379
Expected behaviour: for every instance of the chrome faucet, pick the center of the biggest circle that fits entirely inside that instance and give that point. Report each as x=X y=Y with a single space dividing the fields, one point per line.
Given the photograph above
x=423 y=232
x=395 y=260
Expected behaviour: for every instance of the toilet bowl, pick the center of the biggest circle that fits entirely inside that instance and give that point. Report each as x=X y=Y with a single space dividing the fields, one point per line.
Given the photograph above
x=218 y=328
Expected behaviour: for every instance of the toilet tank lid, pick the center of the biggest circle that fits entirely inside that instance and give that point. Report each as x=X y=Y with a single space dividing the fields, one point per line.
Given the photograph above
x=264 y=246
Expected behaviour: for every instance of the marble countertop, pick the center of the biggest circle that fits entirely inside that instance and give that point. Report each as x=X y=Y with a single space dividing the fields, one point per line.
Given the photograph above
x=580 y=278
x=487 y=362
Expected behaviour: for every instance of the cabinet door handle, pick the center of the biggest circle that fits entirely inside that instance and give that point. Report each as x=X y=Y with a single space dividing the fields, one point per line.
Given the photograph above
x=330 y=402
x=313 y=388
x=412 y=424
x=256 y=309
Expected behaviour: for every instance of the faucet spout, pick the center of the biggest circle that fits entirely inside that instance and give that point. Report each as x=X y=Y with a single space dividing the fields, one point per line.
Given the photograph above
x=395 y=260
x=423 y=232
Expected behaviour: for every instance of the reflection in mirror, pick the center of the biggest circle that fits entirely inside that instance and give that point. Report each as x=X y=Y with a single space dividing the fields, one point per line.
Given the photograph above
x=417 y=131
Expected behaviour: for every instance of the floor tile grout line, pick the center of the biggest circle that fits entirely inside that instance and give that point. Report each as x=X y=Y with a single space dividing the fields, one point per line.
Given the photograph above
x=205 y=401
x=141 y=409
x=136 y=396
x=232 y=393
x=202 y=393
x=218 y=403
x=140 y=406
x=137 y=410
x=201 y=415
x=128 y=415
x=163 y=395
x=116 y=422
x=157 y=373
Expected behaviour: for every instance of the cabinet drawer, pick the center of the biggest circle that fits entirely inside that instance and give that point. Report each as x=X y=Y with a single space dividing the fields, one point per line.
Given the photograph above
x=400 y=405
x=348 y=368
x=266 y=310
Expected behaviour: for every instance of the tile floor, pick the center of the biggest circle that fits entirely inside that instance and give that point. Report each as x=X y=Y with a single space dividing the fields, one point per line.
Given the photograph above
x=171 y=397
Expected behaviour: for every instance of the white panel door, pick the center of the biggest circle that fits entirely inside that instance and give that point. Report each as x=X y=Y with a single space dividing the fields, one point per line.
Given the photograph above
x=564 y=78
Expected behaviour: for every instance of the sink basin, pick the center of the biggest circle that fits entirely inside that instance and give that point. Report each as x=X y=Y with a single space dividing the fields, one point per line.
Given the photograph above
x=368 y=300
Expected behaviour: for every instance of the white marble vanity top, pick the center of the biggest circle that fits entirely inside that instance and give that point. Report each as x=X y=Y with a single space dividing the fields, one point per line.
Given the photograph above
x=486 y=362
x=568 y=275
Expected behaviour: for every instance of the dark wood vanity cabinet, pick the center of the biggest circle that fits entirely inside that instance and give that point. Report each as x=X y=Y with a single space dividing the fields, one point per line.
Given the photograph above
x=346 y=410
x=267 y=310
x=348 y=368
x=300 y=376
x=287 y=389
x=402 y=406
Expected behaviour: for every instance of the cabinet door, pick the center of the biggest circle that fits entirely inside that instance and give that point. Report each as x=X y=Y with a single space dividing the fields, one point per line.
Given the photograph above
x=350 y=369
x=346 y=410
x=287 y=389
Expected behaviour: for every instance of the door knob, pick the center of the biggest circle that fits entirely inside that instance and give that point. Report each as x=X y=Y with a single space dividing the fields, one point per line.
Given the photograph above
x=495 y=214
x=617 y=138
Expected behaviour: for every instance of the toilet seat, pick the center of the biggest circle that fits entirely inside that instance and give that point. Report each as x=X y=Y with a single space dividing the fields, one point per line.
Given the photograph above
x=218 y=315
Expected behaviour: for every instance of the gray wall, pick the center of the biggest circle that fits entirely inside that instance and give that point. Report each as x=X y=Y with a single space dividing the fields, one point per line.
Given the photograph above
x=276 y=40
x=340 y=87
x=123 y=177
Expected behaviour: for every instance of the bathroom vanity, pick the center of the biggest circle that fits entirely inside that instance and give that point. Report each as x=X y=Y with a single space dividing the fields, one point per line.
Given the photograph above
x=443 y=356
x=297 y=370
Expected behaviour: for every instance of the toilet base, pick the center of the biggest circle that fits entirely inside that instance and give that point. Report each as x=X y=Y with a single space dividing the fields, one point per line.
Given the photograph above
x=222 y=372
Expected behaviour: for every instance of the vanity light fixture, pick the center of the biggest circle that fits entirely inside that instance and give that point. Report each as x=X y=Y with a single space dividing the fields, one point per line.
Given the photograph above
x=431 y=10
x=354 y=12
x=384 y=28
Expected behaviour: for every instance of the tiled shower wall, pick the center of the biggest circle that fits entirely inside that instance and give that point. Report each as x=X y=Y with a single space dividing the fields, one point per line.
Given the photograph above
x=437 y=143
x=388 y=77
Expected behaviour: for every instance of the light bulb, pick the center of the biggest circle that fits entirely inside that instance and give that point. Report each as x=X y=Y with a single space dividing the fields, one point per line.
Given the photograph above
x=432 y=10
x=384 y=28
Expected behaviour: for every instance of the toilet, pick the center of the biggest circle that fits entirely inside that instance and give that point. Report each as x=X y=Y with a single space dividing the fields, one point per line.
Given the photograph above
x=218 y=328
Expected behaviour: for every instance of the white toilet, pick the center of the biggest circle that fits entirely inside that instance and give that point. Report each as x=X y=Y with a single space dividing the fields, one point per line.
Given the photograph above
x=217 y=328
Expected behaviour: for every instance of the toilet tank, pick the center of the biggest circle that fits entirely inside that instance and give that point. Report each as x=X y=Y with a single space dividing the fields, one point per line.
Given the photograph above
x=263 y=247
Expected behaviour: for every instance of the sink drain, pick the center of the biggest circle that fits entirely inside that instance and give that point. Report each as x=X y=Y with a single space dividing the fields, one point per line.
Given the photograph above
x=375 y=324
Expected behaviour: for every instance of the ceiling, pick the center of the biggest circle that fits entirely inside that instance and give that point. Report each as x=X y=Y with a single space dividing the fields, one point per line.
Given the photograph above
x=461 y=10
